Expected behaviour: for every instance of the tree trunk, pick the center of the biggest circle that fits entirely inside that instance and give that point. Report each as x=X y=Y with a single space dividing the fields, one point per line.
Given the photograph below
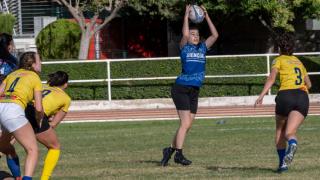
x=84 y=45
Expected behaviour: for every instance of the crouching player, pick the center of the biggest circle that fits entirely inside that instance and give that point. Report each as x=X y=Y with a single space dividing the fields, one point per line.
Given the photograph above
x=55 y=104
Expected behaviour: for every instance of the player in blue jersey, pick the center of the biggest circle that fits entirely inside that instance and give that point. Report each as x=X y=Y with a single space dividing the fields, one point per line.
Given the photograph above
x=185 y=91
x=8 y=62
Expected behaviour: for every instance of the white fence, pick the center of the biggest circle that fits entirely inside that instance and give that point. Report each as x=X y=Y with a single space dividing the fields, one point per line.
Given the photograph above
x=109 y=79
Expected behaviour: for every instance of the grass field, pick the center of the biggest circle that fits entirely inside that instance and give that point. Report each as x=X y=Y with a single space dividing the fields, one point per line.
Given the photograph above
x=241 y=148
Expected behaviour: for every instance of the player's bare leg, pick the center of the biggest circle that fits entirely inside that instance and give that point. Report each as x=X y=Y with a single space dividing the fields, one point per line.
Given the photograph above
x=281 y=142
x=49 y=139
x=25 y=136
x=295 y=119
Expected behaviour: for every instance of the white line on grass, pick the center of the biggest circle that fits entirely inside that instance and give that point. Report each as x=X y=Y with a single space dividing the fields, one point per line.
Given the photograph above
x=165 y=119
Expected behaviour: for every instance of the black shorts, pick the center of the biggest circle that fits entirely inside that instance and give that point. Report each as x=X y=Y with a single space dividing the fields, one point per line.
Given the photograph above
x=185 y=97
x=31 y=116
x=292 y=100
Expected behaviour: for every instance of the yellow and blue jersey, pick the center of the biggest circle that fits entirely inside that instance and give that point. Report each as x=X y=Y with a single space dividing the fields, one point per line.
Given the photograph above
x=292 y=72
x=20 y=87
x=54 y=99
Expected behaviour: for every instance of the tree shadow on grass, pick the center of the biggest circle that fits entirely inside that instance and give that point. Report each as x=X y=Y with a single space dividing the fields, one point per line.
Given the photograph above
x=5 y=176
x=252 y=168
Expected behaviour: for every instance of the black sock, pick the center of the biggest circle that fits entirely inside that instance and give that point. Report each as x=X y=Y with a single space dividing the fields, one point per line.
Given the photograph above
x=171 y=149
x=179 y=151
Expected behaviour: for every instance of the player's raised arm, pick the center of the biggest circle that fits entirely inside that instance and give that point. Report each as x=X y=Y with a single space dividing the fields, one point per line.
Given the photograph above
x=214 y=33
x=185 y=27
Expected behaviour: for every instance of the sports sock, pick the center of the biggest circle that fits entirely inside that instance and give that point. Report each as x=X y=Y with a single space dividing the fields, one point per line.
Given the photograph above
x=50 y=163
x=292 y=141
x=171 y=149
x=27 y=178
x=14 y=166
x=281 y=154
x=179 y=151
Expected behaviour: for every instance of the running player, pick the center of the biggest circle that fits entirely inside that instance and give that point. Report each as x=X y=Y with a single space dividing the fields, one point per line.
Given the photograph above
x=292 y=102
x=19 y=88
x=185 y=91
x=55 y=104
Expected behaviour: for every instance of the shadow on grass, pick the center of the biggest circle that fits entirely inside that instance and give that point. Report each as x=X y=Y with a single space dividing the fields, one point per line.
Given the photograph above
x=254 y=168
x=5 y=176
x=150 y=162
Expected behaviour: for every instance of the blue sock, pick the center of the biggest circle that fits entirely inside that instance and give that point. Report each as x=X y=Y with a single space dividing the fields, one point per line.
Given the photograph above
x=14 y=166
x=281 y=154
x=27 y=178
x=292 y=141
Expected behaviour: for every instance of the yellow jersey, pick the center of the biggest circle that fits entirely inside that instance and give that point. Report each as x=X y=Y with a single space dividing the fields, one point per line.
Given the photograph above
x=20 y=87
x=54 y=99
x=292 y=72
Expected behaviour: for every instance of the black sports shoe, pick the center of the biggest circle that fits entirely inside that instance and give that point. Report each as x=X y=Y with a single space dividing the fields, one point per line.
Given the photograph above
x=180 y=159
x=167 y=152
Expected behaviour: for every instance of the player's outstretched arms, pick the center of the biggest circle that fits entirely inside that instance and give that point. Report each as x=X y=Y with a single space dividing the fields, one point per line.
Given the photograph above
x=214 y=33
x=185 y=27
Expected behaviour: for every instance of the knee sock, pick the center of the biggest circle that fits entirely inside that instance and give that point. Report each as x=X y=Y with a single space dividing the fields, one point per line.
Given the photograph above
x=14 y=166
x=292 y=141
x=281 y=154
x=50 y=163
x=27 y=178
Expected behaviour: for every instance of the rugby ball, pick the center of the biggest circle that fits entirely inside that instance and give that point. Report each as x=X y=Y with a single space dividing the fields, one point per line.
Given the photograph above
x=196 y=14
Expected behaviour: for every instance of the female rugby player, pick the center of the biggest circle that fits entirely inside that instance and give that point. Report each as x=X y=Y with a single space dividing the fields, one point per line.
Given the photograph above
x=17 y=90
x=292 y=102
x=185 y=91
x=55 y=104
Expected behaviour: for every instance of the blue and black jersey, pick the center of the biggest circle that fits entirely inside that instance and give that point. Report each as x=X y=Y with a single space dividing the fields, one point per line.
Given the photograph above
x=193 y=60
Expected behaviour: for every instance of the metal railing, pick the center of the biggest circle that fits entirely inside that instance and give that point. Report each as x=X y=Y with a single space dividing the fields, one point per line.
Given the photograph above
x=109 y=79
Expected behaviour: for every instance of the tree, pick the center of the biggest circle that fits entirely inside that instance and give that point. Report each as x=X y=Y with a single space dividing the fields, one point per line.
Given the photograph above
x=89 y=28
x=59 y=40
x=273 y=14
x=6 y=23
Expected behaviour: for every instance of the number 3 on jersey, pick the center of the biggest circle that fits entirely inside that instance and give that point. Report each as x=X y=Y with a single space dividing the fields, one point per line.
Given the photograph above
x=299 y=77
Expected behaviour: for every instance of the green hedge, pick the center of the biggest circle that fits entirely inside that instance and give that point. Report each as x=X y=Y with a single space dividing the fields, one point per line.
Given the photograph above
x=161 y=88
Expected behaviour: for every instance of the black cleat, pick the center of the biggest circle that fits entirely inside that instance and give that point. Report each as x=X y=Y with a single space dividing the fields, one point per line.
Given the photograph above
x=167 y=153
x=180 y=159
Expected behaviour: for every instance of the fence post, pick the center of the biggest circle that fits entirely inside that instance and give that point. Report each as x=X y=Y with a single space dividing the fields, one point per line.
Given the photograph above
x=268 y=70
x=109 y=80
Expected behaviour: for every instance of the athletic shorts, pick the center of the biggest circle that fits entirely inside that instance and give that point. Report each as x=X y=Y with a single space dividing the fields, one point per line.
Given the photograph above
x=31 y=116
x=185 y=97
x=292 y=100
x=12 y=117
